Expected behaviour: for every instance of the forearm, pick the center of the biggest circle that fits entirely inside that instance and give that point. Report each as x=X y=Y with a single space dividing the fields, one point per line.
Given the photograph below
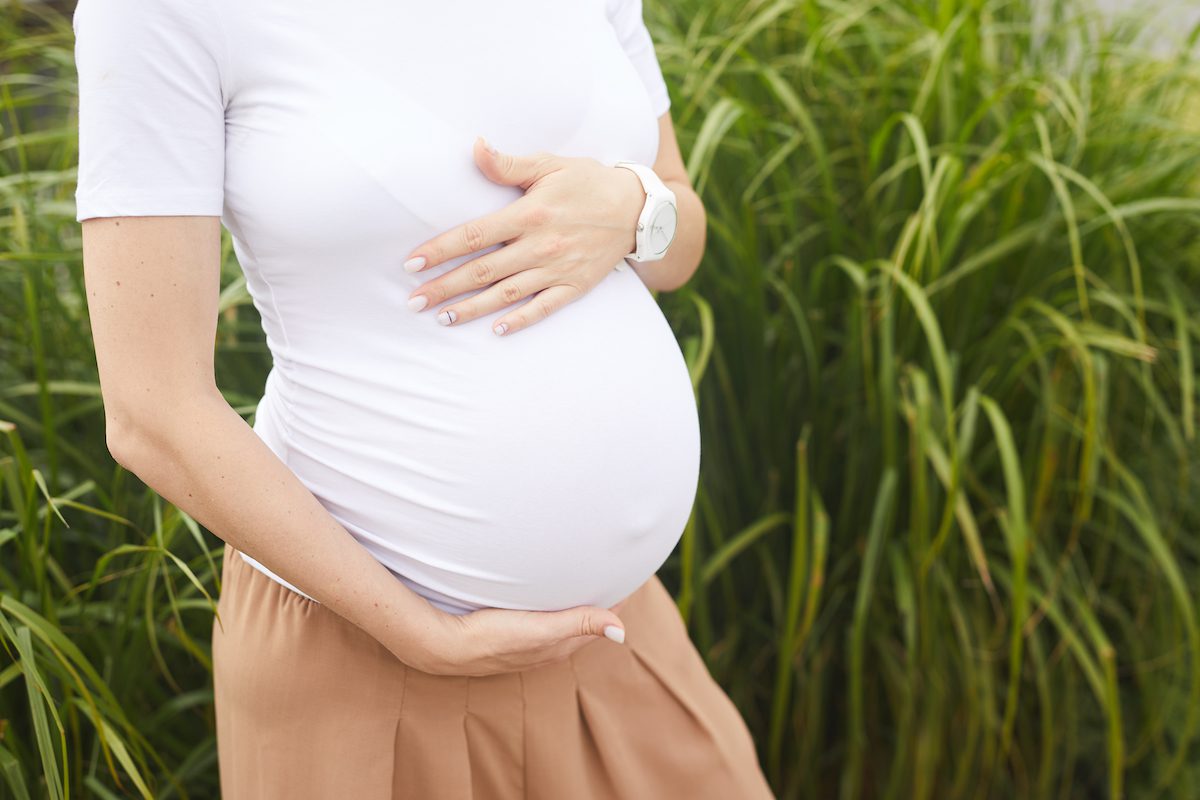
x=687 y=248
x=208 y=462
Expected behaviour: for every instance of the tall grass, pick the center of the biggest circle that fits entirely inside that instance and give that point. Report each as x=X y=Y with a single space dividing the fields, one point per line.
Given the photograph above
x=950 y=454
x=946 y=539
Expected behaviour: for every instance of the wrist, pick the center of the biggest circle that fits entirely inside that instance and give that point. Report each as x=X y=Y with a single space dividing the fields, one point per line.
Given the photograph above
x=658 y=218
x=631 y=209
x=420 y=640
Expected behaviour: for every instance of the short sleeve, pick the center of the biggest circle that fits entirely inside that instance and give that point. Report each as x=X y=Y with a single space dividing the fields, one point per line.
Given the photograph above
x=151 y=108
x=630 y=26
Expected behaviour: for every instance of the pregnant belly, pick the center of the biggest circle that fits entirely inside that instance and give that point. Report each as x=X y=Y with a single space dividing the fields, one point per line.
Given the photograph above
x=551 y=468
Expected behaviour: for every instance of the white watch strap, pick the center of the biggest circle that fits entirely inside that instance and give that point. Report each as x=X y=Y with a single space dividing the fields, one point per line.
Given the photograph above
x=654 y=188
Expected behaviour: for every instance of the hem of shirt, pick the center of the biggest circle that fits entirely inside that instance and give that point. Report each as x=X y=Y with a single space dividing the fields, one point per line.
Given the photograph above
x=150 y=204
x=660 y=103
x=436 y=602
x=258 y=565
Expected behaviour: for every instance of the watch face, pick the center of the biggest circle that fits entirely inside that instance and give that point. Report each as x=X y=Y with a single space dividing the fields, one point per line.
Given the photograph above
x=662 y=228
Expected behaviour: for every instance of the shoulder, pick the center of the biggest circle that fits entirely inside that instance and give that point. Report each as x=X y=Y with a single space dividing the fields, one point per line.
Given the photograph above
x=623 y=9
x=192 y=23
x=163 y=35
x=626 y=18
x=141 y=14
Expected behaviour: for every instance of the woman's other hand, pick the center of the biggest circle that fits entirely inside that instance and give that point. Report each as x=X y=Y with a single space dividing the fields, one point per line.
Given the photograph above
x=497 y=640
x=576 y=221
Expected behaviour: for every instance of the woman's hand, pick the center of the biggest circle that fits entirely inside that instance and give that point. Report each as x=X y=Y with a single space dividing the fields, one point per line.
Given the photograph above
x=497 y=640
x=575 y=223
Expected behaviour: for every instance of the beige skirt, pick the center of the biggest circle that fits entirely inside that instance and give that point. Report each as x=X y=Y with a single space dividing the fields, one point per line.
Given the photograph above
x=309 y=705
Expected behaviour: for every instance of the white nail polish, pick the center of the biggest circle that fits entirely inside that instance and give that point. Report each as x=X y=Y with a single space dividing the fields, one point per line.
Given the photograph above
x=418 y=302
x=615 y=633
x=415 y=263
x=446 y=317
x=500 y=329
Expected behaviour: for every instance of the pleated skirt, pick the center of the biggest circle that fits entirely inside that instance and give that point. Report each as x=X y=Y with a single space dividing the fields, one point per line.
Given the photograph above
x=309 y=705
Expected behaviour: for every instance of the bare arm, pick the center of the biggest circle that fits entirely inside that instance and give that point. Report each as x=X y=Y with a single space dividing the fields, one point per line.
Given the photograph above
x=152 y=285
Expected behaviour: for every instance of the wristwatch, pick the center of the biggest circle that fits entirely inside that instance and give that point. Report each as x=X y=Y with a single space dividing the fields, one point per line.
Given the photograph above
x=659 y=217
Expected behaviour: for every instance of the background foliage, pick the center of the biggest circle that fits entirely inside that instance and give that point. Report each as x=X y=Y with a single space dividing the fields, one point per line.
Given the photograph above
x=943 y=341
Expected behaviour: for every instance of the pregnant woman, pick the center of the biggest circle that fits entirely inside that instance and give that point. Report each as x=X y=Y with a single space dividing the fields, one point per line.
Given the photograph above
x=478 y=441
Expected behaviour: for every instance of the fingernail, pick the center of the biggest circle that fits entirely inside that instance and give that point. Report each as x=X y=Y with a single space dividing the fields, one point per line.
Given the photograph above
x=418 y=302
x=446 y=317
x=500 y=329
x=615 y=633
x=415 y=263
x=488 y=146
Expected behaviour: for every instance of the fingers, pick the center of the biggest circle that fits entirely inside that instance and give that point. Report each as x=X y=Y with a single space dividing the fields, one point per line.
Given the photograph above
x=477 y=273
x=536 y=309
x=474 y=235
x=576 y=628
x=493 y=640
x=592 y=621
x=511 y=289
x=505 y=276
x=528 y=267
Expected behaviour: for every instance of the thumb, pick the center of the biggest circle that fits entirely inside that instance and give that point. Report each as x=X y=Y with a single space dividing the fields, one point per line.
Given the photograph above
x=593 y=621
x=505 y=168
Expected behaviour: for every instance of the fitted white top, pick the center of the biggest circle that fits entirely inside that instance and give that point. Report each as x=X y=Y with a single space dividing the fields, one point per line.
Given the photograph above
x=552 y=467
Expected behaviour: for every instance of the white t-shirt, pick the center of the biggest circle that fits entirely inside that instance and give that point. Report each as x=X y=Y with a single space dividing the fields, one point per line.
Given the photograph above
x=552 y=467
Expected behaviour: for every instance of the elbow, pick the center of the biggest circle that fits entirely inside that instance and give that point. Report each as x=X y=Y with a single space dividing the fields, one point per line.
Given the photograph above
x=139 y=429
x=687 y=278
x=130 y=434
x=700 y=246
x=682 y=279
x=120 y=436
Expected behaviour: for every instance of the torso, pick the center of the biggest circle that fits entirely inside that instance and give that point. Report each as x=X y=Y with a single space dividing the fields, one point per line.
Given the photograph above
x=553 y=467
